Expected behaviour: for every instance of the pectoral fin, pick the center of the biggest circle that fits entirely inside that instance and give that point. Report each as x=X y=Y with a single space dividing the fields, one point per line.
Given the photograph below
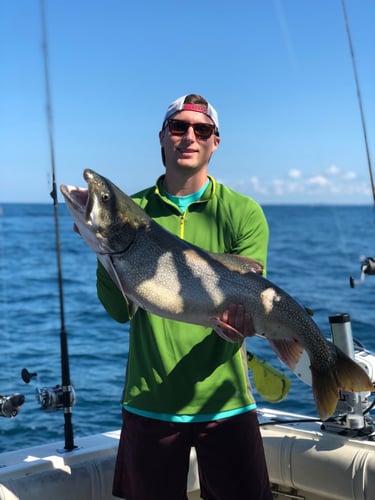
x=132 y=308
x=288 y=350
x=110 y=268
x=225 y=331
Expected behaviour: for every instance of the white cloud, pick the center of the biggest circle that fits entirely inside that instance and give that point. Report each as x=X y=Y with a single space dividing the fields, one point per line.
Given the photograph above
x=318 y=180
x=349 y=176
x=294 y=173
x=256 y=185
x=333 y=170
x=332 y=186
x=278 y=187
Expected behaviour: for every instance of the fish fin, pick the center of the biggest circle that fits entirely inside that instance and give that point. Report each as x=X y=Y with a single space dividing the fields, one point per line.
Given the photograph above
x=288 y=350
x=225 y=331
x=347 y=375
x=133 y=308
x=108 y=264
x=326 y=392
x=238 y=263
x=309 y=311
x=350 y=375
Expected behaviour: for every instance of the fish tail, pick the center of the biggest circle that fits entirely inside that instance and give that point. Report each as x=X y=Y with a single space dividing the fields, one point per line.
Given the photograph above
x=350 y=375
x=326 y=392
x=346 y=375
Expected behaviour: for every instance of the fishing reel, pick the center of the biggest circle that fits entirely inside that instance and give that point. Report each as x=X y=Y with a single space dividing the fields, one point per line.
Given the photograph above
x=51 y=398
x=367 y=267
x=10 y=405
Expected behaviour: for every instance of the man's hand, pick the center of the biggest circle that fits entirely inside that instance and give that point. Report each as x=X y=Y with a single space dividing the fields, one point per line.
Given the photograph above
x=235 y=324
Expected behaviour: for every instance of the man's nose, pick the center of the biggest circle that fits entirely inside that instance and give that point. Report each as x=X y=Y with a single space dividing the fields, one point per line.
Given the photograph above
x=190 y=134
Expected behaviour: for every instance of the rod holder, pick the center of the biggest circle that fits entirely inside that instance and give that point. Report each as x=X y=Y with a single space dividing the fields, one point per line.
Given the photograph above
x=341 y=329
x=350 y=403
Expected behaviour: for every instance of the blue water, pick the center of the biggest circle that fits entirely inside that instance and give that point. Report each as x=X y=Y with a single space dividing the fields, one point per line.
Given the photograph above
x=313 y=252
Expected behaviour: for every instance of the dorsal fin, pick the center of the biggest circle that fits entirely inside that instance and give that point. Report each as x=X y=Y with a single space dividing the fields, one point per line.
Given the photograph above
x=238 y=263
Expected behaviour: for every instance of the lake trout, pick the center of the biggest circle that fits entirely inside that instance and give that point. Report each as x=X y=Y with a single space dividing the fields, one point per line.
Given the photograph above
x=167 y=276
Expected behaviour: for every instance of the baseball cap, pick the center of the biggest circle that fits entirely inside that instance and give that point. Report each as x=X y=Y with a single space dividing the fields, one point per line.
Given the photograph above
x=180 y=105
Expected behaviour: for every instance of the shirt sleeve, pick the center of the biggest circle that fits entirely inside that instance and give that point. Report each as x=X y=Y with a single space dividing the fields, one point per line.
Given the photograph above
x=253 y=236
x=110 y=296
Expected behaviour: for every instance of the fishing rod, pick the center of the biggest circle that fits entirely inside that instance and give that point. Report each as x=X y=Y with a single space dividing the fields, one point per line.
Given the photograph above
x=367 y=264
x=359 y=98
x=67 y=396
x=58 y=396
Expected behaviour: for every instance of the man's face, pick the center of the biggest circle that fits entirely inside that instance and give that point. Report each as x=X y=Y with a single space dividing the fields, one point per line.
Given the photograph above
x=188 y=151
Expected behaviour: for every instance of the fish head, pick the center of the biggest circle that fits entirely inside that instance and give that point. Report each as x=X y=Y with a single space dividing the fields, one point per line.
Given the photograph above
x=106 y=218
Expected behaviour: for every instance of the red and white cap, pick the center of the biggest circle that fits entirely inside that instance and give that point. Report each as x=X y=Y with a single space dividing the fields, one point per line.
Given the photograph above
x=180 y=105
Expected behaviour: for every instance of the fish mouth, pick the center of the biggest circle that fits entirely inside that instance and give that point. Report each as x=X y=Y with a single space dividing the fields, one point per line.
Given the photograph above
x=77 y=197
x=84 y=205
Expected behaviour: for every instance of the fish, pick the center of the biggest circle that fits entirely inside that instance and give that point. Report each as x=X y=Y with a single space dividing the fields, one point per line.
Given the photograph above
x=165 y=275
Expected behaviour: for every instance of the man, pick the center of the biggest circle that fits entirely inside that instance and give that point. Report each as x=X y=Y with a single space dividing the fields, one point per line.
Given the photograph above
x=186 y=386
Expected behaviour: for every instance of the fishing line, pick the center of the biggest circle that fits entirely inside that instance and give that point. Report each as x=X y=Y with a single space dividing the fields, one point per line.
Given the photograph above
x=364 y=128
x=9 y=405
x=359 y=98
x=4 y=284
x=65 y=370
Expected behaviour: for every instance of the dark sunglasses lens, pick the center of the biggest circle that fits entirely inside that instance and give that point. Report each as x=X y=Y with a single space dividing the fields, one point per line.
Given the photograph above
x=203 y=130
x=178 y=127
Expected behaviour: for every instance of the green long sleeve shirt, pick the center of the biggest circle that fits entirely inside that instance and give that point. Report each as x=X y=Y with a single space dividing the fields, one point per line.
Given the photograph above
x=178 y=371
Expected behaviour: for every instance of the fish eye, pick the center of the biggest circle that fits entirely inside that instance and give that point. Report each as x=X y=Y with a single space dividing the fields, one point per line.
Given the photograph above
x=105 y=196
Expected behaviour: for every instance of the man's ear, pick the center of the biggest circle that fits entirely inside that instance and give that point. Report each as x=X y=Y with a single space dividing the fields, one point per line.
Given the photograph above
x=161 y=138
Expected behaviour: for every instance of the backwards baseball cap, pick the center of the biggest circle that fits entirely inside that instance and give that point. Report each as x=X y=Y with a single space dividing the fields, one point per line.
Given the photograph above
x=180 y=105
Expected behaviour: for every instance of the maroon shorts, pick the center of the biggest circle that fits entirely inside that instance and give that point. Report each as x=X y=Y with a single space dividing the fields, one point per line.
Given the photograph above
x=153 y=459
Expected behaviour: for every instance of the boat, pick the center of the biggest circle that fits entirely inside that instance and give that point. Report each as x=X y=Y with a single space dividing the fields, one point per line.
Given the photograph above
x=304 y=462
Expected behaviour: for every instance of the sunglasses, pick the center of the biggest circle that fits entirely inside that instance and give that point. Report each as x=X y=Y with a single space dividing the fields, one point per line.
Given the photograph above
x=201 y=130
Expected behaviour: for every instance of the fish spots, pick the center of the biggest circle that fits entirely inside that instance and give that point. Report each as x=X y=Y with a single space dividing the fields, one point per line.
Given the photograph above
x=163 y=287
x=269 y=297
x=204 y=275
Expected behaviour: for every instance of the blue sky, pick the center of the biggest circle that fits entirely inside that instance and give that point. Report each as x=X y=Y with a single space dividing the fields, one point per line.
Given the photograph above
x=278 y=72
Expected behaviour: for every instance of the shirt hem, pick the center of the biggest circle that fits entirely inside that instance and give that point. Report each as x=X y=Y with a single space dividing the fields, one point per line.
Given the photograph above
x=206 y=417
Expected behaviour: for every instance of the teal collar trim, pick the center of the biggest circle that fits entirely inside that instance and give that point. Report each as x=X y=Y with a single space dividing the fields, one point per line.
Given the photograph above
x=206 y=193
x=184 y=201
